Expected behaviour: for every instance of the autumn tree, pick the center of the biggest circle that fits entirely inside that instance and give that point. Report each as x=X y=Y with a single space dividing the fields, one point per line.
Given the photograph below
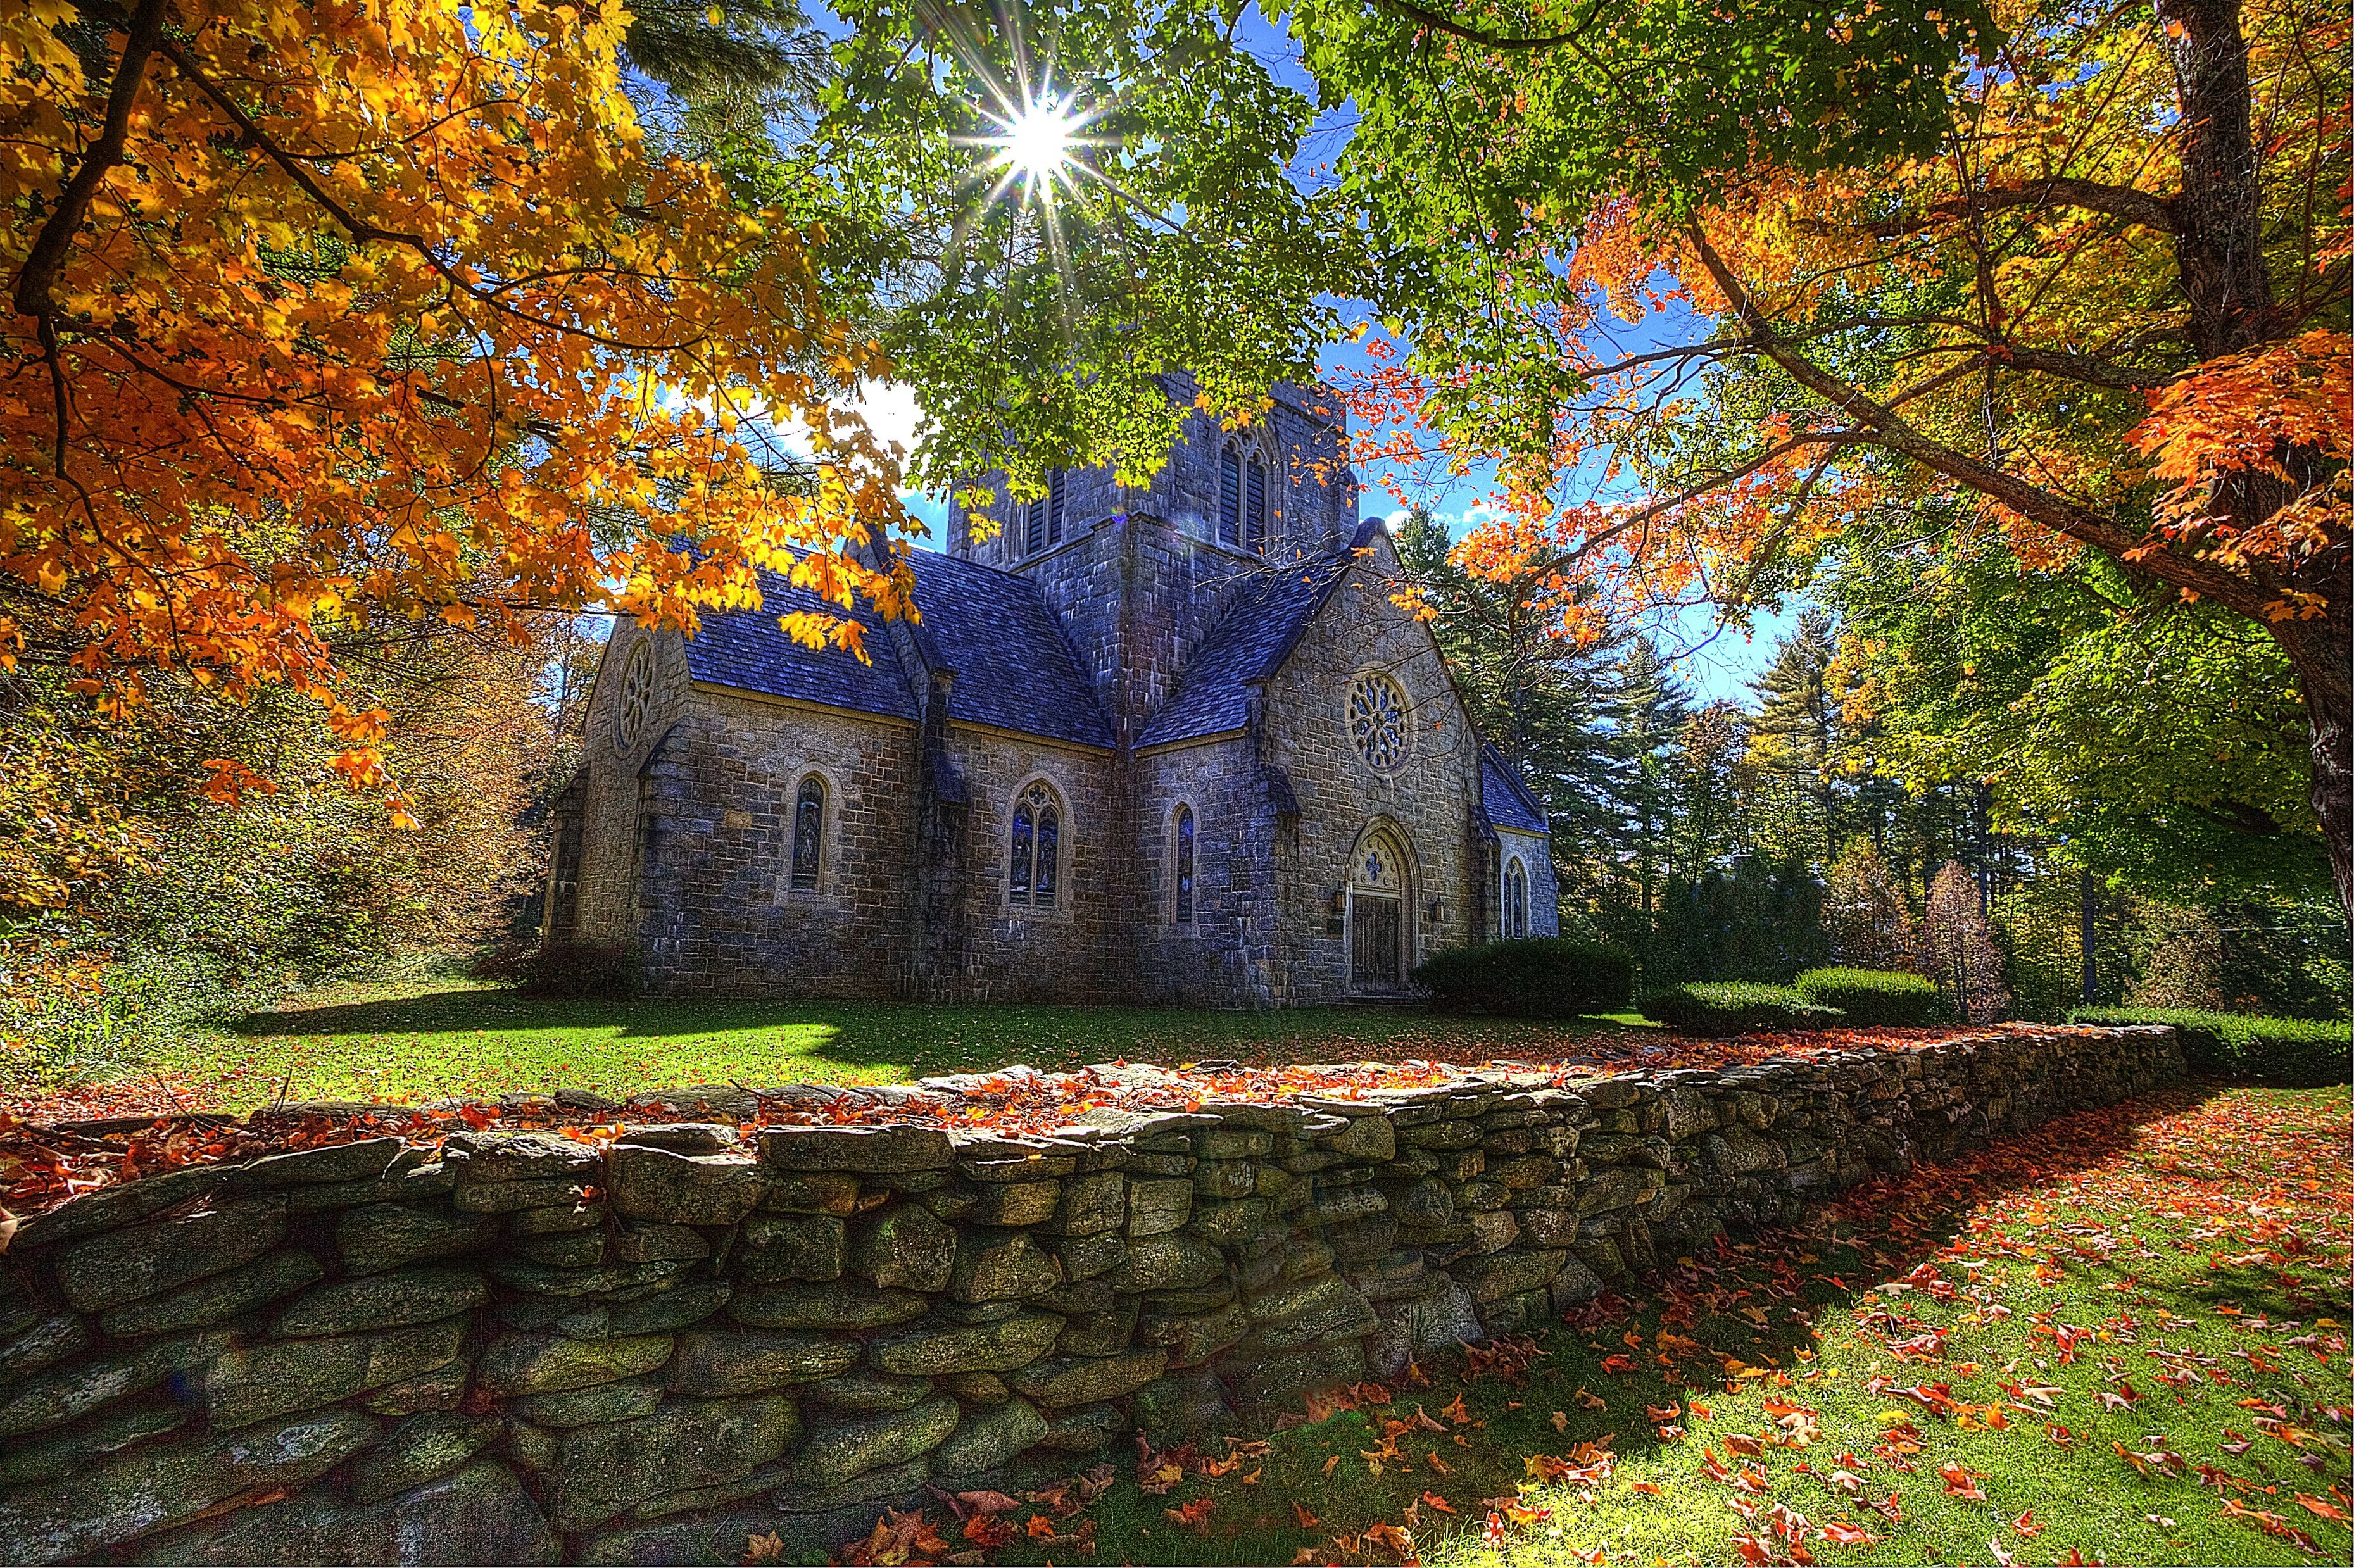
x=1870 y=924
x=1958 y=949
x=372 y=313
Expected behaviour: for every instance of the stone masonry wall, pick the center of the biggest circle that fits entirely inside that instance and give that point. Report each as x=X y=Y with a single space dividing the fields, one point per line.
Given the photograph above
x=518 y=1347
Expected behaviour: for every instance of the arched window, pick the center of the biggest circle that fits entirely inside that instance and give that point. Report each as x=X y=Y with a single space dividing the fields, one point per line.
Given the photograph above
x=809 y=832
x=1183 y=877
x=1042 y=520
x=1035 y=856
x=1516 y=898
x=1244 y=492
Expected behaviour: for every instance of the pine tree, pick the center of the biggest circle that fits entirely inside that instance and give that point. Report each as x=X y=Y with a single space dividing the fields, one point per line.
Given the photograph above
x=1796 y=735
x=1542 y=698
x=1648 y=709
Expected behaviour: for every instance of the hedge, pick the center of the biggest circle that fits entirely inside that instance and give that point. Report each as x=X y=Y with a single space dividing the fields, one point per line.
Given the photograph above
x=1736 y=1007
x=1873 y=997
x=2300 y=1051
x=1536 y=976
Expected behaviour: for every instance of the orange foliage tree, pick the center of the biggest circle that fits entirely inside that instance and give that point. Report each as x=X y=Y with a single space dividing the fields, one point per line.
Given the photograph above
x=2094 y=297
x=331 y=314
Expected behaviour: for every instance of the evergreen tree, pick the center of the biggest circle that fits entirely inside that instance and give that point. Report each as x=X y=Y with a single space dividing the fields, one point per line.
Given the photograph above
x=1796 y=737
x=1870 y=924
x=1542 y=697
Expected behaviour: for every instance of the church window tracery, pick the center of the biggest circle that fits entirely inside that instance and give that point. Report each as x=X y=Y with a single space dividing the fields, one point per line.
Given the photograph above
x=1516 y=898
x=1034 y=854
x=1183 y=870
x=637 y=695
x=808 y=833
x=1377 y=722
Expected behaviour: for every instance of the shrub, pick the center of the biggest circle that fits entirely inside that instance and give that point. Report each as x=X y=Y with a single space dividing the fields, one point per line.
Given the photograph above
x=1536 y=976
x=1873 y=996
x=2305 y=1052
x=590 y=970
x=1736 y=1007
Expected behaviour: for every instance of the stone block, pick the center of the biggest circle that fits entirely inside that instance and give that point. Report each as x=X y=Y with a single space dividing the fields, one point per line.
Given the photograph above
x=1171 y=1262
x=551 y=1363
x=1084 y=1379
x=1225 y=1179
x=601 y=1471
x=1084 y=1429
x=574 y=1249
x=646 y=1243
x=1407 y=1328
x=681 y=1189
x=386 y=1235
x=1190 y=1404
x=611 y=1281
x=254 y=1382
x=813 y=1192
x=790 y=1246
x=627 y=1400
x=1231 y=1224
x=1193 y=1338
x=1740 y=1152
x=1494 y=1230
x=836 y=1451
x=938 y=1346
x=1326 y=1308
x=554 y=1222
x=213 y=1298
x=1423 y=1203
x=513 y=1197
x=1369 y=1137
x=392 y=1301
x=420 y=1449
x=1015 y=1203
x=905 y=1248
x=1100 y=1333
x=126 y=1266
x=877 y=1149
x=985 y=1439
x=362 y=1159
x=493 y=1158
x=715 y=1361
x=861 y=1388
x=130 y=1495
x=1093 y=1205
x=440 y=1388
x=1495 y=1276
x=837 y=1304
x=1157 y=1205
x=1085 y=1258
x=1000 y=1269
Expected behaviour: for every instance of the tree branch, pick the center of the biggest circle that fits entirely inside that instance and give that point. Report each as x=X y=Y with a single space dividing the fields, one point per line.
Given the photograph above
x=1890 y=430
x=1439 y=23
x=2118 y=201
x=45 y=260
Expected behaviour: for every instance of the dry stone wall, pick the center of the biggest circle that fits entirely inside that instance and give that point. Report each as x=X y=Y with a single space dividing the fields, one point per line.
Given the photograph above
x=516 y=1347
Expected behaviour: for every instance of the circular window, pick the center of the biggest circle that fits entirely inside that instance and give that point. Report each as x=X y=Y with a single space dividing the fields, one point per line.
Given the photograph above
x=637 y=695
x=1377 y=722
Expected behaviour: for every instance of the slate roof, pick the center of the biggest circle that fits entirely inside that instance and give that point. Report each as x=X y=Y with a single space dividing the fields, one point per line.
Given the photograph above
x=1013 y=668
x=745 y=649
x=1504 y=801
x=1260 y=628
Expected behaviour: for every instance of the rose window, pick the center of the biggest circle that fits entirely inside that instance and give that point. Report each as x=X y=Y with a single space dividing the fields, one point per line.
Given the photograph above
x=1377 y=722
x=637 y=696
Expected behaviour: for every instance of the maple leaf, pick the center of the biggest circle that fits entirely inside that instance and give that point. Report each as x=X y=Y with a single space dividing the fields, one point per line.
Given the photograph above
x=1194 y=1515
x=1437 y=1504
x=2320 y=1510
x=1299 y=1512
x=1962 y=1482
x=2025 y=1525
x=1840 y=1532
x=768 y=1548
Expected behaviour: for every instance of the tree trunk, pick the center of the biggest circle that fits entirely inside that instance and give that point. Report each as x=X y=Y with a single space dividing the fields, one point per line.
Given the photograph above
x=2320 y=652
x=2219 y=240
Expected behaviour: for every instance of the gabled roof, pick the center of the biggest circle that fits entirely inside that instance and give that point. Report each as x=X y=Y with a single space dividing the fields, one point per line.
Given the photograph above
x=1258 y=632
x=1013 y=667
x=1504 y=801
x=745 y=649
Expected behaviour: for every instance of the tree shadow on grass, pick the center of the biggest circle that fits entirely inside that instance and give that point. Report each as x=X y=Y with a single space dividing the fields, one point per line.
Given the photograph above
x=935 y=1037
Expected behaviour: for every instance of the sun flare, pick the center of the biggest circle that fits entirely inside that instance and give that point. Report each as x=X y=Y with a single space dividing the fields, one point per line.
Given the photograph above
x=1034 y=142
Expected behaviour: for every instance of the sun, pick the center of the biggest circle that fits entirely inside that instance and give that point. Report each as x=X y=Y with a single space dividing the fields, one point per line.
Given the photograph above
x=1035 y=141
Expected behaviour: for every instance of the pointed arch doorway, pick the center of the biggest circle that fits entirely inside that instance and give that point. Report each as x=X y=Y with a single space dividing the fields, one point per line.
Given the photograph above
x=1378 y=898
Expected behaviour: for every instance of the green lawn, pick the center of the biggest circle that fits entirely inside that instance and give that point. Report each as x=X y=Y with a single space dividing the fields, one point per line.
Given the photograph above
x=426 y=1039
x=2171 y=1276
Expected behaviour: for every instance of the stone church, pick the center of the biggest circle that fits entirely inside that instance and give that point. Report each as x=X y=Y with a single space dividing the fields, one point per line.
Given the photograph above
x=1170 y=745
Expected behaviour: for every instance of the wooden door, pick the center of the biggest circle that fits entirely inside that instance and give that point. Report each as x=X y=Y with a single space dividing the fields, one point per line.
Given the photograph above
x=1373 y=940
